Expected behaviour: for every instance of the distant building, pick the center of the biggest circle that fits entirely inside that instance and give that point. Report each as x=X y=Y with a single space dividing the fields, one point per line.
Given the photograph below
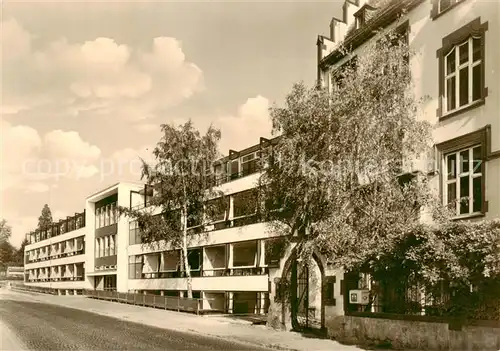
x=15 y=273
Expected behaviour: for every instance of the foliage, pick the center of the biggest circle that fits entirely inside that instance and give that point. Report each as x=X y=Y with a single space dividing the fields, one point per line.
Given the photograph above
x=45 y=219
x=334 y=180
x=7 y=252
x=182 y=181
x=19 y=254
x=337 y=183
x=5 y=231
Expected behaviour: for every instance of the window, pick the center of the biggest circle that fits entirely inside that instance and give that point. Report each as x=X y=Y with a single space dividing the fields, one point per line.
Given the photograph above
x=461 y=69
x=112 y=248
x=464 y=180
x=245 y=254
x=249 y=163
x=439 y=7
x=273 y=251
x=134 y=233
x=135 y=267
x=106 y=246
x=103 y=216
x=194 y=259
x=101 y=247
x=217 y=209
x=97 y=248
x=107 y=215
x=463 y=74
x=266 y=157
x=244 y=203
x=463 y=171
x=446 y=4
x=194 y=216
x=112 y=215
x=233 y=169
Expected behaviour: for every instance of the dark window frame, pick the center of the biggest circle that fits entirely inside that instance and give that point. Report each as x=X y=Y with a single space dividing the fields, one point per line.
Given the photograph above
x=437 y=12
x=472 y=29
x=481 y=137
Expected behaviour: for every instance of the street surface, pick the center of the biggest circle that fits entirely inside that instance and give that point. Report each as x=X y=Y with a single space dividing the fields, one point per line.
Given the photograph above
x=29 y=325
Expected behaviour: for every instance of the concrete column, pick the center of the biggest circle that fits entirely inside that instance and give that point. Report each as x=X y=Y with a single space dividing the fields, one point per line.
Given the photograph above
x=162 y=293
x=202 y=295
x=230 y=263
x=231 y=209
x=262 y=302
x=230 y=296
x=261 y=253
x=75 y=292
x=181 y=293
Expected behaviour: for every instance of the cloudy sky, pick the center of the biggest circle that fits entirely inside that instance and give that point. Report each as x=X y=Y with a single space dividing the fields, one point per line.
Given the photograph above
x=85 y=86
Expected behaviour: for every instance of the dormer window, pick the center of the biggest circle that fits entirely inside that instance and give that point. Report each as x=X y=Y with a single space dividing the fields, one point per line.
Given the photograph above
x=446 y=4
x=441 y=6
x=363 y=15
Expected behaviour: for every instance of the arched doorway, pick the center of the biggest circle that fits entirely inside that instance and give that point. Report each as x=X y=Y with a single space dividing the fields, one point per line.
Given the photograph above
x=306 y=281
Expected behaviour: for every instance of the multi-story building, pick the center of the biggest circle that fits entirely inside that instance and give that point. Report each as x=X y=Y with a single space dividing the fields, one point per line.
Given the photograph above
x=55 y=256
x=457 y=70
x=229 y=259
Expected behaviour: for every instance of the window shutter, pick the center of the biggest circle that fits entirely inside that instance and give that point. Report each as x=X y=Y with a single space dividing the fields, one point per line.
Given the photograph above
x=329 y=290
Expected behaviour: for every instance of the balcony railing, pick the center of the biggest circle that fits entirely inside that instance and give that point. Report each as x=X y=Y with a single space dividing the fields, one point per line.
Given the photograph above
x=165 y=302
x=55 y=279
x=226 y=272
x=58 y=254
x=230 y=223
x=214 y=180
x=62 y=227
x=216 y=272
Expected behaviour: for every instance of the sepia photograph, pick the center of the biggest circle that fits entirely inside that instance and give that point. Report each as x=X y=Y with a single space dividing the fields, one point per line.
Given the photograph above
x=259 y=175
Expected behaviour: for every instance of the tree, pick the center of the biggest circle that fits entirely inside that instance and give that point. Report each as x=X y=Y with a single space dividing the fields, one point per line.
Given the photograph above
x=5 y=231
x=45 y=219
x=19 y=254
x=337 y=184
x=6 y=254
x=183 y=185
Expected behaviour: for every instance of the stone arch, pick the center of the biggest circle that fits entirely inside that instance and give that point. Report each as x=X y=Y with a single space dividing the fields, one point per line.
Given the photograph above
x=293 y=274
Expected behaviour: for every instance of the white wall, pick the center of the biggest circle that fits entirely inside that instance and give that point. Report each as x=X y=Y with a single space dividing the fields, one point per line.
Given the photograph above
x=59 y=238
x=56 y=262
x=231 y=283
x=425 y=39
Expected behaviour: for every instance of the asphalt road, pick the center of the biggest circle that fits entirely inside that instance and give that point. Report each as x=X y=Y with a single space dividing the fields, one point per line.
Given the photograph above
x=40 y=326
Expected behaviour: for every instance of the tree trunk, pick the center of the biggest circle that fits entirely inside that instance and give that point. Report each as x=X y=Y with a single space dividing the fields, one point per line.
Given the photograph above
x=185 y=256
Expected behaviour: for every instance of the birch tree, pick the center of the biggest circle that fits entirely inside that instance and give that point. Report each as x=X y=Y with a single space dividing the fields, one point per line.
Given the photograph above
x=338 y=184
x=183 y=184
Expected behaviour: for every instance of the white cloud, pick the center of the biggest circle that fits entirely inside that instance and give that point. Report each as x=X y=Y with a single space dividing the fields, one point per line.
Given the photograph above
x=147 y=127
x=126 y=163
x=32 y=163
x=21 y=225
x=246 y=127
x=69 y=144
x=15 y=41
x=99 y=77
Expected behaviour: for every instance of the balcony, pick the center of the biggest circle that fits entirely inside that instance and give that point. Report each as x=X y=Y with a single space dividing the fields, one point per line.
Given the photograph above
x=214 y=283
x=59 y=250
x=67 y=225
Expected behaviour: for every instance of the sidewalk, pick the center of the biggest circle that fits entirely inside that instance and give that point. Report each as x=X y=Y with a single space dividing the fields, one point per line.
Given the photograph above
x=215 y=326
